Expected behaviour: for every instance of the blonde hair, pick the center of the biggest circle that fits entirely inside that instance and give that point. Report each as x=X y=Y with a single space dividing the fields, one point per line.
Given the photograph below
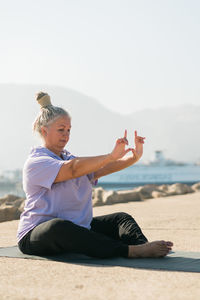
x=48 y=112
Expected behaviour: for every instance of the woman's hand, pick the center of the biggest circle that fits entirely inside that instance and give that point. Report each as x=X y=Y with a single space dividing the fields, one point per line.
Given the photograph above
x=119 y=151
x=116 y=164
x=138 y=151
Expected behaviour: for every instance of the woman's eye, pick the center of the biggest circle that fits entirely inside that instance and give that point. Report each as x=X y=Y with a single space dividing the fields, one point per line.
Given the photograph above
x=60 y=129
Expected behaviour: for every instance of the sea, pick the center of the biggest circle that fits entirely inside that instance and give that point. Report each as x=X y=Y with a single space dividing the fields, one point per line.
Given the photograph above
x=133 y=176
x=142 y=174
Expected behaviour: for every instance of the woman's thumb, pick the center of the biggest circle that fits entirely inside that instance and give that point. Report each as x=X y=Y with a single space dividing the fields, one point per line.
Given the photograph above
x=128 y=150
x=134 y=152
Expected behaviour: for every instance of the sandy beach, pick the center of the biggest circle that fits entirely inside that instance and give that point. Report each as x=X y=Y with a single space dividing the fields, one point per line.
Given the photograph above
x=174 y=218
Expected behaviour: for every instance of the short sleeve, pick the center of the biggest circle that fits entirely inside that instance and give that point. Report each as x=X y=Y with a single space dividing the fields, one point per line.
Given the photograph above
x=91 y=179
x=42 y=171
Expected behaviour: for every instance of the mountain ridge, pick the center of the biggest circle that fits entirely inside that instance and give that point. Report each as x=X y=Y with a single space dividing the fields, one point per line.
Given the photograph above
x=94 y=127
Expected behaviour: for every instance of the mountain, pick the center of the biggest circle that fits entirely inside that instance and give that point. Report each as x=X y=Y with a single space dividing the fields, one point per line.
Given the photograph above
x=94 y=127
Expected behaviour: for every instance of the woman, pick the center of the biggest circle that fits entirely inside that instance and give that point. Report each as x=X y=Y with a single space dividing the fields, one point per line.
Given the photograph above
x=57 y=216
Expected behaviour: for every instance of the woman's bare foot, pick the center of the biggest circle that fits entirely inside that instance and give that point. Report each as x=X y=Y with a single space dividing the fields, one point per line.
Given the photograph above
x=153 y=249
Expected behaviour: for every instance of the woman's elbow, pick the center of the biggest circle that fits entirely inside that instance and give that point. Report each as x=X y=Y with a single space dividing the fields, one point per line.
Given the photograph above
x=65 y=173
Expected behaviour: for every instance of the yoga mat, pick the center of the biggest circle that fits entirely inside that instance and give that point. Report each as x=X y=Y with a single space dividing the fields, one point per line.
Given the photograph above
x=175 y=261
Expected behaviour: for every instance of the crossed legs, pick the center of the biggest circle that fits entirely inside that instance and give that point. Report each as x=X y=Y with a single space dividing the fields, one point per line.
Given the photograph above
x=111 y=235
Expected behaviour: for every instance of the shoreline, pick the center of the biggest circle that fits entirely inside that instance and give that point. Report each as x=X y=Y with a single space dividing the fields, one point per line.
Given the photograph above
x=127 y=186
x=11 y=206
x=140 y=193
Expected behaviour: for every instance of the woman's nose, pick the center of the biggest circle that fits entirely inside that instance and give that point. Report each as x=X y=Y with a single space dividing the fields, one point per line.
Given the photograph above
x=66 y=133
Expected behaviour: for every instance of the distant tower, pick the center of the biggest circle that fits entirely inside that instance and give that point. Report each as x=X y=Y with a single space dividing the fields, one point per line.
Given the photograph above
x=159 y=158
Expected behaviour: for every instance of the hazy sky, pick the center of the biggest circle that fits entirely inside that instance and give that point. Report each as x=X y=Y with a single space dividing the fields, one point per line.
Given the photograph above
x=127 y=54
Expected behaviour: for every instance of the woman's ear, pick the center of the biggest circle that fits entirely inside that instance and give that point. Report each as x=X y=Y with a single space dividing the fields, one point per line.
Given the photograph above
x=44 y=131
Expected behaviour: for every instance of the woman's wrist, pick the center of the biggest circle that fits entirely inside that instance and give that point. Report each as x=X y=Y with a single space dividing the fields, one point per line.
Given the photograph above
x=134 y=159
x=110 y=157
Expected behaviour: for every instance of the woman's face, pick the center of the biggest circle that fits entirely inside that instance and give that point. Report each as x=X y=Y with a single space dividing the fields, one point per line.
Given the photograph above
x=56 y=135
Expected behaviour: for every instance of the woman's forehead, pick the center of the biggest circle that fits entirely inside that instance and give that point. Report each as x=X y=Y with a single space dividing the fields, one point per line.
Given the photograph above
x=63 y=120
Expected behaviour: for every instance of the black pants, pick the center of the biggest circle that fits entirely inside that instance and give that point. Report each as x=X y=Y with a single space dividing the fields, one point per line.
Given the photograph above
x=109 y=236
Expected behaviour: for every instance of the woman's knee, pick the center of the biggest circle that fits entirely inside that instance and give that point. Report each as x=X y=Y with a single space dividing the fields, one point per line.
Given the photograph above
x=55 y=225
x=123 y=215
x=46 y=229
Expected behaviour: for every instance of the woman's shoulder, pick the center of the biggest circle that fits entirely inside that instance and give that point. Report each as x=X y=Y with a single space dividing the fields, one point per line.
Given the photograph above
x=38 y=155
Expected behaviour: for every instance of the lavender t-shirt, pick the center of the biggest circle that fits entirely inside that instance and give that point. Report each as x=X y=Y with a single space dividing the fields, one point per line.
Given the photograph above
x=69 y=200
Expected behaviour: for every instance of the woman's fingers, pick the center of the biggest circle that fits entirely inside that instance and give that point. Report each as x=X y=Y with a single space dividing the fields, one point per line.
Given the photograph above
x=128 y=150
x=123 y=141
x=125 y=133
x=135 y=133
x=119 y=141
x=134 y=152
x=125 y=137
x=137 y=136
x=139 y=139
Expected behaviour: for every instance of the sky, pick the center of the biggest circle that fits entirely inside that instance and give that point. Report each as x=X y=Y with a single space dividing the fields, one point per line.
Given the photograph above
x=130 y=55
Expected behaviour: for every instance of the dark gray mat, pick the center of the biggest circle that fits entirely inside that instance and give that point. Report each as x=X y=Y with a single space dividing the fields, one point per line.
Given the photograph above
x=175 y=261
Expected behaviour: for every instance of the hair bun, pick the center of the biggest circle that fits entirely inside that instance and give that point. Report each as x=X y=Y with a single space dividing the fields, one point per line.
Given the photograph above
x=43 y=99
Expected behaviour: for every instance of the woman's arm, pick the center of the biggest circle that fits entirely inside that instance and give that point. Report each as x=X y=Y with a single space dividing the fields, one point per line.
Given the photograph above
x=115 y=166
x=84 y=165
x=123 y=163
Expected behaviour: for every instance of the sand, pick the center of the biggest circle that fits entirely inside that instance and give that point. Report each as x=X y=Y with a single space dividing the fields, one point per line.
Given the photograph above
x=174 y=218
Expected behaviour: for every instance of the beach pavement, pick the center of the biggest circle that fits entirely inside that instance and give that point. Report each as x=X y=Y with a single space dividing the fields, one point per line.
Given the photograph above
x=175 y=218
